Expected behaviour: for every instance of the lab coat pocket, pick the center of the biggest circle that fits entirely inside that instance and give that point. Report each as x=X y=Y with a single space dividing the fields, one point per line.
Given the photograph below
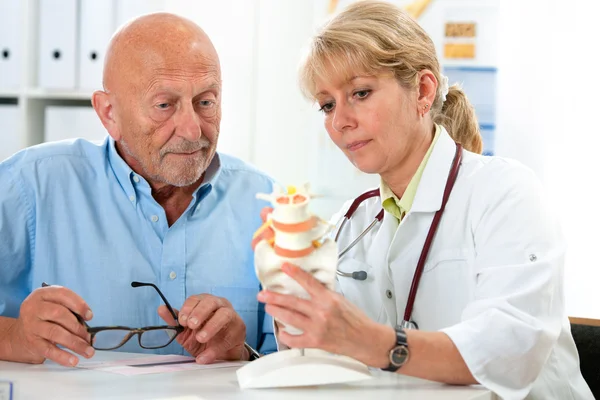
x=445 y=289
x=449 y=257
x=363 y=294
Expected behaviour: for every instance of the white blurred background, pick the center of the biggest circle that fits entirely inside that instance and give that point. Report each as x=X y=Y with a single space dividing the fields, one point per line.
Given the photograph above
x=540 y=93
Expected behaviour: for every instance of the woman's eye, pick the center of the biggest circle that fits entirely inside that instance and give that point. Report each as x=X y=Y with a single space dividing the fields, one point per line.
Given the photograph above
x=163 y=106
x=326 y=108
x=361 y=94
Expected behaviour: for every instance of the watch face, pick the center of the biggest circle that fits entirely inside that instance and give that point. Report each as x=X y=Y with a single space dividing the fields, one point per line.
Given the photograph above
x=399 y=355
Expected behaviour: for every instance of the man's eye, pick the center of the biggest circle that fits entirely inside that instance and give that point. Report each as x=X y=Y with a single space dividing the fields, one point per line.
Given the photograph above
x=206 y=103
x=163 y=106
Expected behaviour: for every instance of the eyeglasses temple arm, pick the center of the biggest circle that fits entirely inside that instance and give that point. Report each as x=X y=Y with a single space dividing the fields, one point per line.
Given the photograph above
x=164 y=299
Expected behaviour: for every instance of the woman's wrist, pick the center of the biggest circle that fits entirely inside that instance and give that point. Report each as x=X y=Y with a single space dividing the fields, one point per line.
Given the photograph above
x=382 y=340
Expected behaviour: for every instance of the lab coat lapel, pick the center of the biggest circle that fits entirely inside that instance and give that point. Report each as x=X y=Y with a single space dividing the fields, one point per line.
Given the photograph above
x=377 y=258
x=433 y=181
x=428 y=199
x=409 y=238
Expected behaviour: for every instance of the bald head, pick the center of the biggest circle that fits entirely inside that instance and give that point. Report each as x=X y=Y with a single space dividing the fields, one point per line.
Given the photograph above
x=156 y=41
x=161 y=101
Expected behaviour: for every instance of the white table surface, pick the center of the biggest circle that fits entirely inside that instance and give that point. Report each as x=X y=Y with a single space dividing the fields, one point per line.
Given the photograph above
x=51 y=381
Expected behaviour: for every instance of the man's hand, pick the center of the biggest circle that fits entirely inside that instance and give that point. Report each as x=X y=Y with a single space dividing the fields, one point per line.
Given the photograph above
x=213 y=330
x=45 y=321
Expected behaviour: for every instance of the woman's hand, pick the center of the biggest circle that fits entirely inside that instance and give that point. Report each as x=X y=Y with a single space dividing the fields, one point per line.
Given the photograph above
x=328 y=321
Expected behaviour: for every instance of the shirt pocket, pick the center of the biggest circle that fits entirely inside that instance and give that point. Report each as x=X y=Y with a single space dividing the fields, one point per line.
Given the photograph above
x=243 y=299
x=245 y=304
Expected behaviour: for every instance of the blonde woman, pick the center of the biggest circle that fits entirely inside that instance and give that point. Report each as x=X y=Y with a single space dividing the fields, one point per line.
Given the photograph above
x=461 y=281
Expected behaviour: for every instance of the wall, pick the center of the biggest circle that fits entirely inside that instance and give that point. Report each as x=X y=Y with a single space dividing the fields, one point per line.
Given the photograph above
x=232 y=27
x=547 y=91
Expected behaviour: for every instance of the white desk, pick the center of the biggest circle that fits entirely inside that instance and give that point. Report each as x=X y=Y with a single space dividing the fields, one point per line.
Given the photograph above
x=51 y=381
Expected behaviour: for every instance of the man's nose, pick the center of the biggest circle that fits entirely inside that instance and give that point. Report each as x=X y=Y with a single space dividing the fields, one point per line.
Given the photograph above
x=188 y=124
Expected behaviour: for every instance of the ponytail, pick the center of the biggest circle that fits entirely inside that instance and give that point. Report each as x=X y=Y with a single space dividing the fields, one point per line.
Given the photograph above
x=459 y=119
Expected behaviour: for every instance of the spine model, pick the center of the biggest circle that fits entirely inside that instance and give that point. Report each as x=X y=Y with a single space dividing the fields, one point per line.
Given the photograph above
x=299 y=239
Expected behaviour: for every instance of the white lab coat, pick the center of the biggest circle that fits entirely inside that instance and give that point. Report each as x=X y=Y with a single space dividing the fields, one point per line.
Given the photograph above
x=493 y=280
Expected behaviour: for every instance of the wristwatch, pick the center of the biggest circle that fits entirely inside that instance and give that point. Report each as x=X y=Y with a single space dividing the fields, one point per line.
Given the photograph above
x=399 y=353
x=254 y=355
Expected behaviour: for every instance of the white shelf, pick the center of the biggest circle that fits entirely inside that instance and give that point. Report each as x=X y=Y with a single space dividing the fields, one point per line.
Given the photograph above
x=59 y=94
x=7 y=94
x=32 y=99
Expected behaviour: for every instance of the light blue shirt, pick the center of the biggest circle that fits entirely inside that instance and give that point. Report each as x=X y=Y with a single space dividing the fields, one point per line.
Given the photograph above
x=73 y=213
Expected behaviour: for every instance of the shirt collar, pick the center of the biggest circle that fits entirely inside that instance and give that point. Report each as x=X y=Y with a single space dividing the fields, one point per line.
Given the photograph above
x=127 y=177
x=121 y=169
x=211 y=175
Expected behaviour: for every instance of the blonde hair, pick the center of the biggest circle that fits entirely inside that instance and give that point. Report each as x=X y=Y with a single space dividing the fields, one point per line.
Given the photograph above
x=372 y=37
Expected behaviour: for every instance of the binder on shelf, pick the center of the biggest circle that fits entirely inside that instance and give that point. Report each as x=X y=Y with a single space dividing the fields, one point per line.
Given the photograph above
x=57 y=66
x=10 y=44
x=10 y=134
x=97 y=25
x=70 y=122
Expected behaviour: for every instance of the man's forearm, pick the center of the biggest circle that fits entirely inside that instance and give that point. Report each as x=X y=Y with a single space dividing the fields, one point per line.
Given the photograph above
x=7 y=348
x=433 y=356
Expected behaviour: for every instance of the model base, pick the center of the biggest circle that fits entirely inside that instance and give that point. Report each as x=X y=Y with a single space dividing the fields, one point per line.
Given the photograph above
x=300 y=367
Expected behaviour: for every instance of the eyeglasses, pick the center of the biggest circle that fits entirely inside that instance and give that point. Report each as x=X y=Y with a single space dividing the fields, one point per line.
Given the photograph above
x=150 y=337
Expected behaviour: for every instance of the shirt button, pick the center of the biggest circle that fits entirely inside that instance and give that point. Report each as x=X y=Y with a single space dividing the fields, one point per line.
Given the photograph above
x=172 y=275
x=154 y=218
x=136 y=179
x=388 y=294
x=532 y=257
x=132 y=198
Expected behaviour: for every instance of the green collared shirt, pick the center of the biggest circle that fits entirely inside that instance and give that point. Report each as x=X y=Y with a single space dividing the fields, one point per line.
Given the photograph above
x=399 y=207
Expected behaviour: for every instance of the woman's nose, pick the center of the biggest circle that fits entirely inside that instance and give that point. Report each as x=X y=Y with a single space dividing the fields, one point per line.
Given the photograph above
x=343 y=118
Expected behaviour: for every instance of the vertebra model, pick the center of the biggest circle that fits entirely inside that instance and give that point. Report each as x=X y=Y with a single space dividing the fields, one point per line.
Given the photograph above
x=299 y=239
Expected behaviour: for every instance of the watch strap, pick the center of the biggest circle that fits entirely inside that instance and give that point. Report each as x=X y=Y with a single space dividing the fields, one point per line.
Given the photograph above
x=401 y=340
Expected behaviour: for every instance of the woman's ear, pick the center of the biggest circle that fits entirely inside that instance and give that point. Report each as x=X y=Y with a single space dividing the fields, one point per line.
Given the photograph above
x=101 y=101
x=427 y=90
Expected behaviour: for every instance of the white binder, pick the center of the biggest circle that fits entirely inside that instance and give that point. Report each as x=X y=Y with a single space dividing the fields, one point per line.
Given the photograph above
x=10 y=136
x=64 y=122
x=57 y=44
x=10 y=44
x=97 y=24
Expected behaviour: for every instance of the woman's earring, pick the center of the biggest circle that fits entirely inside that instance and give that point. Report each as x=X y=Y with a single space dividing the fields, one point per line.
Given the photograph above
x=424 y=110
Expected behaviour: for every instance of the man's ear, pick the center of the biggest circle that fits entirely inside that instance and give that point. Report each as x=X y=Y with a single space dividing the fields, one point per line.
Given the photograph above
x=101 y=102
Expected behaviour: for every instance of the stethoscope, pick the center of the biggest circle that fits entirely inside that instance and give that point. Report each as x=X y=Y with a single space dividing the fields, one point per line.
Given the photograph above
x=362 y=275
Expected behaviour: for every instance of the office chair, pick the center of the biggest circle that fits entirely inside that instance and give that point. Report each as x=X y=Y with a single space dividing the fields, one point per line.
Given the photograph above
x=586 y=333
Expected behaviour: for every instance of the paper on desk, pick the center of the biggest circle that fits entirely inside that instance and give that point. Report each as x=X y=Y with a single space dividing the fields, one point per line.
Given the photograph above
x=182 y=398
x=5 y=390
x=153 y=365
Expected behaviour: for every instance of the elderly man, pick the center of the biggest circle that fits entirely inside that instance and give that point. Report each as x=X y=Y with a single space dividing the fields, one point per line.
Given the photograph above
x=154 y=203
